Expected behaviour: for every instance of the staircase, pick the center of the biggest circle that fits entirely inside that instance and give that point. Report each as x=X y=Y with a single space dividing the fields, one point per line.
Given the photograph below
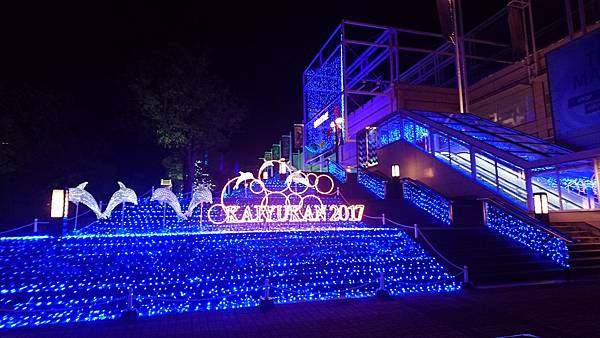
x=490 y=257
x=585 y=252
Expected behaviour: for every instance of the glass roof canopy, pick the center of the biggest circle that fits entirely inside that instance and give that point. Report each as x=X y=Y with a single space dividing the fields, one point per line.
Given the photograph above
x=519 y=144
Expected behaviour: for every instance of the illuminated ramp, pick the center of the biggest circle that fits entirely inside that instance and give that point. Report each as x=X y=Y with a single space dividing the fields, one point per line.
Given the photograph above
x=507 y=163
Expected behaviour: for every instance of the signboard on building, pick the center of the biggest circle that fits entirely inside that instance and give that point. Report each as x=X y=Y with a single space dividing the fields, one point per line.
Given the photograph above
x=574 y=77
x=298 y=136
x=276 y=150
x=286 y=146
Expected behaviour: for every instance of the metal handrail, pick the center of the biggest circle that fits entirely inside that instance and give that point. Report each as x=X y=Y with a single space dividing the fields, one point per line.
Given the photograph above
x=526 y=218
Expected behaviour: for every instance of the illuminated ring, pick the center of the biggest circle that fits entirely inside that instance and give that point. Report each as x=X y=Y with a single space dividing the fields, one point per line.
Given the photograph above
x=311 y=196
x=265 y=200
x=317 y=184
x=225 y=189
x=289 y=200
x=210 y=217
x=312 y=185
x=289 y=186
x=260 y=184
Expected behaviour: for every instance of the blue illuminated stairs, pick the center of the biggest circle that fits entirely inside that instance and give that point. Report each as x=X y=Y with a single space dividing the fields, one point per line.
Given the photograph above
x=491 y=257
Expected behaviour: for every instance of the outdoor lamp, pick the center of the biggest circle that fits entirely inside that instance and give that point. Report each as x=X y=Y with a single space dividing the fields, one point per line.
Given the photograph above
x=59 y=206
x=265 y=175
x=540 y=203
x=395 y=170
x=332 y=125
x=339 y=121
x=164 y=182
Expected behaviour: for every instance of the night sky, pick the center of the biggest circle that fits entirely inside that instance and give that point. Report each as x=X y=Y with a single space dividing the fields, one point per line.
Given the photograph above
x=260 y=49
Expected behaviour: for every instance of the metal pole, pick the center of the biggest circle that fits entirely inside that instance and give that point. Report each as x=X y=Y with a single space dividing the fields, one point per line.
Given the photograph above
x=383 y=219
x=381 y=281
x=267 y=286
x=35 y=225
x=465 y=274
x=164 y=213
x=122 y=214
x=416 y=231
x=533 y=45
x=130 y=300
x=569 y=18
x=581 y=10
x=458 y=60
x=76 y=215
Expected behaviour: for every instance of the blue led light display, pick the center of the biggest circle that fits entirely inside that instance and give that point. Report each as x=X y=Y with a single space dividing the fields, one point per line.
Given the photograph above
x=337 y=171
x=389 y=131
x=324 y=102
x=428 y=201
x=86 y=278
x=527 y=234
x=374 y=184
x=171 y=265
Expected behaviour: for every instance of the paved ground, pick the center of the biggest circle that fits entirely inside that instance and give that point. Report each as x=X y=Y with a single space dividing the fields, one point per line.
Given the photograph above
x=555 y=310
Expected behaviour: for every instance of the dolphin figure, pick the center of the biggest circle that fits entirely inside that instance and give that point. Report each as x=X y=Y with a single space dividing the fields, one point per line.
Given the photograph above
x=201 y=195
x=296 y=177
x=80 y=195
x=264 y=166
x=244 y=176
x=123 y=195
x=165 y=195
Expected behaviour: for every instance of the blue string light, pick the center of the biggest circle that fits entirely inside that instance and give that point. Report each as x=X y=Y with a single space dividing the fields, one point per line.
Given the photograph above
x=323 y=95
x=374 y=184
x=176 y=265
x=527 y=234
x=337 y=171
x=86 y=278
x=428 y=201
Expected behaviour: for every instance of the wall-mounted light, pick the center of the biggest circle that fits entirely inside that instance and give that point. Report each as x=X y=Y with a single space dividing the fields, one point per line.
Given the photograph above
x=164 y=182
x=59 y=207
x=540 y=203
x=395 y=170
x=339 y=121
x=265 y=175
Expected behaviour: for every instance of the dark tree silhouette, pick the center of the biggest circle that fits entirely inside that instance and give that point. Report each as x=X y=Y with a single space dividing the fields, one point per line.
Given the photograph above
x=190 y=109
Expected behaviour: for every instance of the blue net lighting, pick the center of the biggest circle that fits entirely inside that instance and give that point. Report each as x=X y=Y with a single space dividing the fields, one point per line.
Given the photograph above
x=531 y=236
x=169 y=265
x=428 y=201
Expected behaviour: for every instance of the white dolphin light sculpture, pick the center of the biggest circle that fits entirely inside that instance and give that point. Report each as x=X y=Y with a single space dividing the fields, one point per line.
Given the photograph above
x=80 y=195
x=201 y=195
x=244 y=176
x=123 y=195
x=165 y=195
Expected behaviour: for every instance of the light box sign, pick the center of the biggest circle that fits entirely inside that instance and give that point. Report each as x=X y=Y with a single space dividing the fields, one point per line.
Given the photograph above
x=297 y=200
x=574 y=77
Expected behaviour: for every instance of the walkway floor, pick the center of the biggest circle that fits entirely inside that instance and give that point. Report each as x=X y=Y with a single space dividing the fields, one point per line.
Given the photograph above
x=554 y=310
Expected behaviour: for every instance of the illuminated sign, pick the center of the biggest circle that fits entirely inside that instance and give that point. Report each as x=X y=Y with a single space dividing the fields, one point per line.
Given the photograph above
x=297 y=202
x=321 y=119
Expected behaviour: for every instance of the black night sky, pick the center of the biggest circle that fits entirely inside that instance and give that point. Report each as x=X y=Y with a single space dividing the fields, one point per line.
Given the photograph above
x=81 y=52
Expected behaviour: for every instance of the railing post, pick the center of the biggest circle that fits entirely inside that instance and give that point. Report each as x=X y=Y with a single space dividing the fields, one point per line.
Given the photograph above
x=381 y=291
x=337 y=191
x=416 y=231
x=266 y=302
x=131 y=314
x=35 y=225
x=383 y=219
x=130 y=300
x=465 y=274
